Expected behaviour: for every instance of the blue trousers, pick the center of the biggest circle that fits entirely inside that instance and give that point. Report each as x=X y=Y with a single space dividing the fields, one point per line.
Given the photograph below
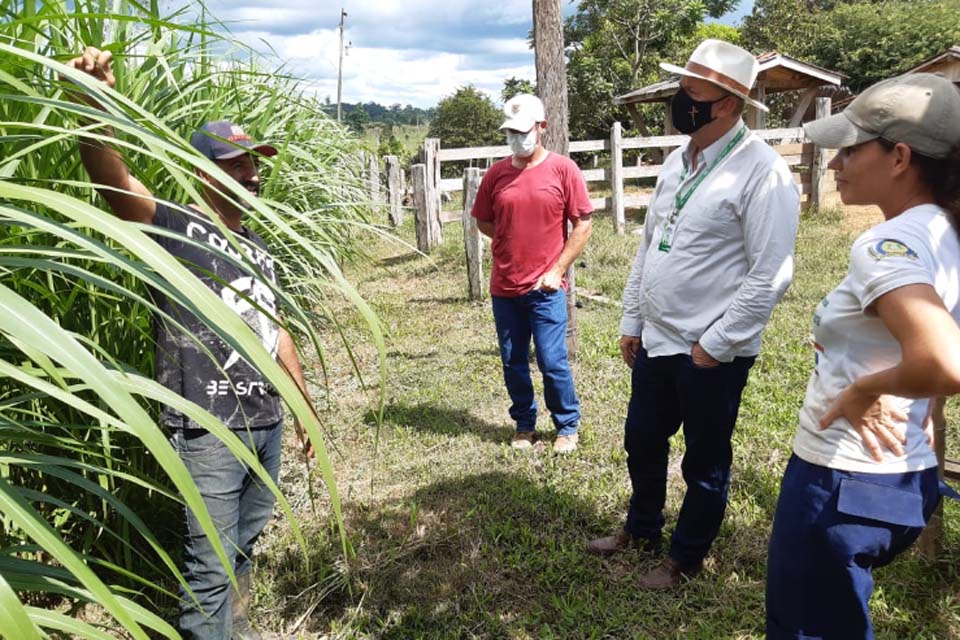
x=830 y=530
x=542 y=316
x=669 y=391
x=240 y=506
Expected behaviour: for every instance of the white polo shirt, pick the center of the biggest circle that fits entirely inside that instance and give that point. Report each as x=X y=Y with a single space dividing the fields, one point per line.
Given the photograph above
x=730 y=258
x=919 y=246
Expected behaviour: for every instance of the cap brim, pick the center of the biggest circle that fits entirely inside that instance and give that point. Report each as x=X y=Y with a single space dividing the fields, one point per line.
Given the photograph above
x=518 y=124
x=263 y=149
x=836 y=132
x=672 y=68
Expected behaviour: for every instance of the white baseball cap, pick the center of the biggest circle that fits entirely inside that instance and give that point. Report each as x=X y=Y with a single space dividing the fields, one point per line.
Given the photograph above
x=522 y=112
x=726 y=65
x=921 y=110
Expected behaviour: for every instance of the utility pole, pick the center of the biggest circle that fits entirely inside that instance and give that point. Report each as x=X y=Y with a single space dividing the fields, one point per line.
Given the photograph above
x=343 y=14
x=552 y=88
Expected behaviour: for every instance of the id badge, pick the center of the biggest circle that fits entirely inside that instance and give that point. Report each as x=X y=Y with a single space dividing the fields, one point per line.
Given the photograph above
x=666 y=238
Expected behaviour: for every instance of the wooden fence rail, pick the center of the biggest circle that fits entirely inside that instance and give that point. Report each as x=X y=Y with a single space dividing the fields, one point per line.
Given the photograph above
x=808 y=161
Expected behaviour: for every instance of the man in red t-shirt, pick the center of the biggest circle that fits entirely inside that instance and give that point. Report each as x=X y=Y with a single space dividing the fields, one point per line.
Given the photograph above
x=523 y=204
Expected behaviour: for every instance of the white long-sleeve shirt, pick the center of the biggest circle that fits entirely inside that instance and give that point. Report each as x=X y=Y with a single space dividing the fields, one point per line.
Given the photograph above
x=730 y=258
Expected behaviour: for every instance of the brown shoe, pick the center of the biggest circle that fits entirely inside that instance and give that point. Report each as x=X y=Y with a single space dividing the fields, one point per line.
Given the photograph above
x=668 y=574
x=621 y=541
x=566 y=444
x=523 y=439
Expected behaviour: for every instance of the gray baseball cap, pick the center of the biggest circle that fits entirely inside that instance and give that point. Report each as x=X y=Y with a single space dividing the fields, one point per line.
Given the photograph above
x=223 y=140
x=921 y=110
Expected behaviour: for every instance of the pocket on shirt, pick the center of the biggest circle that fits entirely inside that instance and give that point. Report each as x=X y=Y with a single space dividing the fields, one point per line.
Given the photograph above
x=883 y=503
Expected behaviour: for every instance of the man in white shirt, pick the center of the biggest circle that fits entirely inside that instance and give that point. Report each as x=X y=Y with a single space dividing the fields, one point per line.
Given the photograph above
x=715 y=257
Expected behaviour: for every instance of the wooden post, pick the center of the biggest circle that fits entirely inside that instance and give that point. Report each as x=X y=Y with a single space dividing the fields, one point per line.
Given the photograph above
x=431 y=158
x=472 y=240
x=551 y=66
x=394 y=190
x=373 y=177
x=931 y=541
x=759 y=117
x=818 y=171
x=427 y=219
x=616 y=178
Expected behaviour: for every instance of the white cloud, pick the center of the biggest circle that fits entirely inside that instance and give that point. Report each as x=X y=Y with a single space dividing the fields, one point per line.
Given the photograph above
x=407 y=51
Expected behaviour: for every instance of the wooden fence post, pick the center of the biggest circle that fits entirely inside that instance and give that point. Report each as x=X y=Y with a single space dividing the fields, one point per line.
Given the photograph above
x=472 y=240
x=427 y=216
x=616 y=178
x=431 y=158
x=373 y=178
x=931 y=541
x=818 y=171
x=394 y=190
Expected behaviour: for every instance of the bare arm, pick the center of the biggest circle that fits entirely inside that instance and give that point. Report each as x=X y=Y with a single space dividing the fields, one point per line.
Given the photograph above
x=486 y=228
x=929 y=366
x=929 y=342
x=582 y=228
x=126 y=195
x=287 y=355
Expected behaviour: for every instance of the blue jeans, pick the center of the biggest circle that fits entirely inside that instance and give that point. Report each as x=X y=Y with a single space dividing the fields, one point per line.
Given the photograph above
x=542 y=316
x=668 y=391
x=830 y=531
x=240 y=506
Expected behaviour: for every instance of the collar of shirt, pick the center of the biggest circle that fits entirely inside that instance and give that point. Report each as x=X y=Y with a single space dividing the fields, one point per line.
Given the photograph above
x=708 y=155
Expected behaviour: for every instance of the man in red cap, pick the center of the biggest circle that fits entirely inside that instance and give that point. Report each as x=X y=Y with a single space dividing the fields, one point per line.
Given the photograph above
x=715 y=257
x=196 y=364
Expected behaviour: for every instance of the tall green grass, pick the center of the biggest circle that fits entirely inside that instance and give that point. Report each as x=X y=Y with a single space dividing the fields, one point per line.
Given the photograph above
x=83 y=462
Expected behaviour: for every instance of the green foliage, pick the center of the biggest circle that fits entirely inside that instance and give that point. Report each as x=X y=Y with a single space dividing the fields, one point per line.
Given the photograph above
x=394 y=114
x=514 y=86
x=865 y=40
x=870 y=42
x=615 y=46
x=468 y=118
x=87 y=477
x=357 y=118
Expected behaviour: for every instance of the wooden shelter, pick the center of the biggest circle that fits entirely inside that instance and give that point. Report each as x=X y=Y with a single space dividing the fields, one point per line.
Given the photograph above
x=778 y=73
x=946 y=63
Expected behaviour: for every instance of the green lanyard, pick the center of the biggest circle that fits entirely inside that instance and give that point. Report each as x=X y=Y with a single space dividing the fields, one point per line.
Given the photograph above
x=681 y=198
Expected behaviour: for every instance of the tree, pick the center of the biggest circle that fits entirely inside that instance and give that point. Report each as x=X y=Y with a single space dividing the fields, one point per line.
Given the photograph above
x=615 y=46
x=515 y=86
x=357 y=118
x=870 y=42
x=468 y=118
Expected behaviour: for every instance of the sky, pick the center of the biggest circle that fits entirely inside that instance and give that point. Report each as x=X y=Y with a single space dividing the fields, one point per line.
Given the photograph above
x=399 y=51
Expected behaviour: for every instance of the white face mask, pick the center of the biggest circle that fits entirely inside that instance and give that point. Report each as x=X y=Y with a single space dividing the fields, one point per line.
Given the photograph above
x=522 y=145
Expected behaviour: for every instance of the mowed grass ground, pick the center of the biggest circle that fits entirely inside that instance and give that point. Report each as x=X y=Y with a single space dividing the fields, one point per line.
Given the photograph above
x=455 y=535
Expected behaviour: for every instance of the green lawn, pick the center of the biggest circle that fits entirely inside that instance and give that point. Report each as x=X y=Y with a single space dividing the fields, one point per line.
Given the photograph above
x=458 y=536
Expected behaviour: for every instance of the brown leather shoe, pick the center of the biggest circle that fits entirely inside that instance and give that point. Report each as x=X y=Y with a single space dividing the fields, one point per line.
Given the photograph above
x=668 y=574
x=620 y=541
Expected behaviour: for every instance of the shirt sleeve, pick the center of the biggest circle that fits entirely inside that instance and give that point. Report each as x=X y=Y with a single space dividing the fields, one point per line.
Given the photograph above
x=769 y=221
x=483 y=205
x=631 y=320
x=881 y=263
x=578 y=198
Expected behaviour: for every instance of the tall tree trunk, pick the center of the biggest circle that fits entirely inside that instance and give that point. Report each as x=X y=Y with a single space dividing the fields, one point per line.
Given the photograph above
x=552 y=87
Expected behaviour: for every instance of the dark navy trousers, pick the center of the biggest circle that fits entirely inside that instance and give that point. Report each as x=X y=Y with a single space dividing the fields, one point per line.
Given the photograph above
x=668 y=391
x=830 y=530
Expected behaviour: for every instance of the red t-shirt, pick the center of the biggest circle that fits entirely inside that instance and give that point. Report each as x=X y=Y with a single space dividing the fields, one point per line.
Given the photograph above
x=529 y=209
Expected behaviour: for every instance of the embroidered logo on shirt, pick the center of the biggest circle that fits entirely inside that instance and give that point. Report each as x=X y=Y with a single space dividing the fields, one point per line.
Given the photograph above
x=892 y=249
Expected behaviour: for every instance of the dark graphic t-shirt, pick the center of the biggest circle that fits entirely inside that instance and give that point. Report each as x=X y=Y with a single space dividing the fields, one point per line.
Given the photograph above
x=194 y=362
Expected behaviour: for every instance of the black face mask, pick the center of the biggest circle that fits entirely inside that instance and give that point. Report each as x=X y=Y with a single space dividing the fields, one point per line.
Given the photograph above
x=689 y=115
